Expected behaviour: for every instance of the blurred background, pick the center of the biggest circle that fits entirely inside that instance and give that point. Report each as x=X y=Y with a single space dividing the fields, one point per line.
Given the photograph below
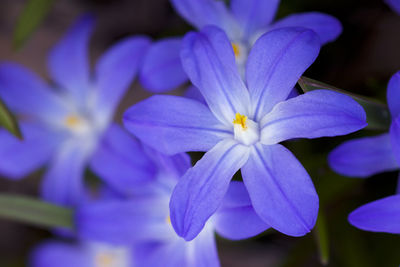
x=360 y=61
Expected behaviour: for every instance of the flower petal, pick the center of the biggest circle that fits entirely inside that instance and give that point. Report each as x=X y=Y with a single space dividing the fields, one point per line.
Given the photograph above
x=176 y=124
x=315 y=114
x=204 y=248
x=63 y=181
x=121 y=161
x=281 y=190
x=382 y=215
x=236 y=218
x=20 y=157
x=53 y=253
x=393 y=95
x=326 y=26
x=116 y=70
x=27 y=94
x=139 y=220
x=193 y=93
x=168 y=254
x=395 y=138
x=201 y=13
x=200 y=191
x=394 y=4
x=68 y=61
x=275 y=63
x=162 y=68
x=209 y=61
x=363 y=157
x=254 y=15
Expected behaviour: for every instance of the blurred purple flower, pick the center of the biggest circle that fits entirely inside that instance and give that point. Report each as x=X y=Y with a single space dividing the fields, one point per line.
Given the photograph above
x=139 y=218
x=63 y=122
x=242 y=126
x=367 y=156
x=244 y=21
x=394 y=4
x=378 y=216
x=82 y=254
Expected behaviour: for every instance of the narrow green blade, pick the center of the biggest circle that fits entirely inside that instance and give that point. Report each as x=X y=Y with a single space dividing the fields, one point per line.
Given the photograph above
x=33 y=14
x=36 y=212
x=321 y=235
x=378 y=116
x=8 y=121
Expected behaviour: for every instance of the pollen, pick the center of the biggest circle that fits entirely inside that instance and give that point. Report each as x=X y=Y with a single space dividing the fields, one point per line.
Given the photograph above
x=72 y=121
x=104 y=260
x=236 y=49
x=241 y=120
x=168 y=220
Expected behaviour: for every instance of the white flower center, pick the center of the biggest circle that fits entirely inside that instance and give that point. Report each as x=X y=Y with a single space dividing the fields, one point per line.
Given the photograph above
x=245 y=130
x=78 y=125
x=110 y=256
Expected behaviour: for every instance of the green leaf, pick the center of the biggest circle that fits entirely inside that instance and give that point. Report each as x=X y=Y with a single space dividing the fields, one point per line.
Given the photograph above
x=321 y=235
x=33 y=211
x=8 y=121
x=378 y=116
x=31 y=17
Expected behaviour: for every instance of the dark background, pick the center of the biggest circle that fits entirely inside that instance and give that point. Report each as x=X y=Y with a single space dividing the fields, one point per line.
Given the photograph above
x=361 y=61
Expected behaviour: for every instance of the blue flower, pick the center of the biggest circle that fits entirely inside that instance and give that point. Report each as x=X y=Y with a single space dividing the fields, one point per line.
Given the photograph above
x=367 y=156
x=378 y=216
x=64 y=121
x=140 y=217
x=244 y=21
x=394 y=4
x=242 y=126
x=81 y=254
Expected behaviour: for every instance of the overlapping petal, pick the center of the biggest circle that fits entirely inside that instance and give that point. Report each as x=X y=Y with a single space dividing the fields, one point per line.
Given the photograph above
x=68 y=62
x=378 y=216
x=139 y=220
x=200 y=191
x=236 y=218
x=326 y=26
x=121 y=161
x=162 y=68
x=395 y=138
x=280 y=189
x=209 y=61
x=168 y=254
x=314 y=114
x=205 y=249
x=275 y=63
x=116 y=70
x=193 y=93
x=20 y=157
x=393 y=95
x=201 y=13
x=27 y=94
x=63 y=181
x=53 y=253
x=364 y=157
x=176 y=124
x=254 y=15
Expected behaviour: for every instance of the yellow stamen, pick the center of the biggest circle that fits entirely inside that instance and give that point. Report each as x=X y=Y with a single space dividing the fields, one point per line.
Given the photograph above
x=104 y=260
x=241 y=120
x=168 y=220
x=236 y=49
x=72 y=121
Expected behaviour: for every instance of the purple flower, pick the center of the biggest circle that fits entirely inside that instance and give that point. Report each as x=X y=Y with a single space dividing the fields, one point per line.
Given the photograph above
x=81 y=254
x=64 y=121
x=394 y=4
x=140 y=217
x=378 y=216
x=367 y=156
x=242 y=126
x=244 y=21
